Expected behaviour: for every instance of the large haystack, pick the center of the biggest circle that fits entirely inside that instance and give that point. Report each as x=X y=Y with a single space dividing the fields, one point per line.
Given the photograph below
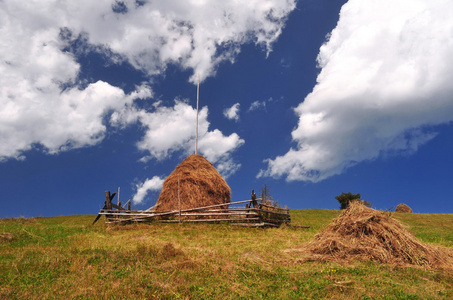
x=403 y=208
x=200 y=185
x=364 y=233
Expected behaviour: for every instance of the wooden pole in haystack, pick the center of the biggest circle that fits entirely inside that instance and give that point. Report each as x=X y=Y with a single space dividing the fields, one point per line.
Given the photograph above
x=179 y=200
x=198 y=96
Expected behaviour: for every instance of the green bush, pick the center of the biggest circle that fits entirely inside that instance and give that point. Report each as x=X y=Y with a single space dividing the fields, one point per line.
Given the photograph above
x=345 y=198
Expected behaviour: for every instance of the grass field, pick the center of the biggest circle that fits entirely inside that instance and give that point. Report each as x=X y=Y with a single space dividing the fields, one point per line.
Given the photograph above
x=66 y=257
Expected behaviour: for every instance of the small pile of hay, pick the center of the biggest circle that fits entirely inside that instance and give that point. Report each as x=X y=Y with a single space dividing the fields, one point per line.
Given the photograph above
x=403 y=208
x=7 y=237
x=199 y=183
x=364 y=233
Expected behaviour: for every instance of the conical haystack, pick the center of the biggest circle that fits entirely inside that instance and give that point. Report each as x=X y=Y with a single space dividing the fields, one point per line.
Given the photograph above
x=364 y=233
x=199 y=184
x=403 y=208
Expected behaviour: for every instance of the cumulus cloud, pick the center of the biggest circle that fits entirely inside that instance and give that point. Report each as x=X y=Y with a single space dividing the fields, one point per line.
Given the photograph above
x=232 y=113
x=42 y=100
x=196 y=35
x=172 y=129
x=149 y=185
x=386 y=79
x=215 y=146
x=35 y=108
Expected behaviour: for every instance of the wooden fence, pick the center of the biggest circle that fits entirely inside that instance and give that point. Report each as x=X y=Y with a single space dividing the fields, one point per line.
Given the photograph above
x=253 y=214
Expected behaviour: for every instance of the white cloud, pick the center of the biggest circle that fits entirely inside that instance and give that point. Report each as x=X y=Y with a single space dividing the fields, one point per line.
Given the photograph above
x=61 y=121
x=226 y=166
x=386 y=78
x=262 y=105
x=34 y=107
x=172 y=129
x=196 y=35
x=153 y=184
x=214 y=145
x=232 y=113
x=257 y=105
x=41 y=99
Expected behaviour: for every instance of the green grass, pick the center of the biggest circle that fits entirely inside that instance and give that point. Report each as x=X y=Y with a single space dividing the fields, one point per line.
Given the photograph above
x=65 y=257
x=432 y=228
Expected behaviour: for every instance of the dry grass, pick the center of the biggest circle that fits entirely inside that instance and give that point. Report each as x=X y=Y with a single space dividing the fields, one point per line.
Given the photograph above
x=66 y=258
x=200 y=185
x=364 y=233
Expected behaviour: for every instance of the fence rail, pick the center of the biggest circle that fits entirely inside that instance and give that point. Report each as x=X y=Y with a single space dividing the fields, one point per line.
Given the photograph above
x=254 y=214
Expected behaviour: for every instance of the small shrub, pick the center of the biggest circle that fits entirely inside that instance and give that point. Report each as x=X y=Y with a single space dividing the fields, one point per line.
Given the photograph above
x=345 y=198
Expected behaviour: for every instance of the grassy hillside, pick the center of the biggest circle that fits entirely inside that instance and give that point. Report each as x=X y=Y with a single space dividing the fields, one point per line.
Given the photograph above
x=65 y=257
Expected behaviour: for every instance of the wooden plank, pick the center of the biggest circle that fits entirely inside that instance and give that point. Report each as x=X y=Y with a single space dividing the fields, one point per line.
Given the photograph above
x=177 y=221
x=219 y=214
x=144 y=213
x=252 y=212
x=123 y=213
x=229 y=209
x=275 y=221
x=274 y=216
x=197 y=208
x=125 y=217
x=118 y=207
x=274 y=207
x=208 y=220
x=262 y=224
x=298 y=226
x=266 y=222
x=216 y=205
x=128 y=217
x=270 y=212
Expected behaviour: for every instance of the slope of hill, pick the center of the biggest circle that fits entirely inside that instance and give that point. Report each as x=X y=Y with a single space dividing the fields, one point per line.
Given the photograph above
x=65 y=257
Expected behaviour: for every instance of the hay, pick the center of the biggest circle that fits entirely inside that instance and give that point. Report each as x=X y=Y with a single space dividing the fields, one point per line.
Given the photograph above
x=7 y=237
x=403 y=208
x=363 y=233
x=200 y=185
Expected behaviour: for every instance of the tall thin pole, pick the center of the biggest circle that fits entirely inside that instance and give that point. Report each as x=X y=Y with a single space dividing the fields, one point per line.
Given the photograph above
x=179 y=199
x=198 y=96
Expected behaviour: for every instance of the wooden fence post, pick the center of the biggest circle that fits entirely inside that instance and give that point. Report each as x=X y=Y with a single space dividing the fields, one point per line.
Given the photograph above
x=108 y=200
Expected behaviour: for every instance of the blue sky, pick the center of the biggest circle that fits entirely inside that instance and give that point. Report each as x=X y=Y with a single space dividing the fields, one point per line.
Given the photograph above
x=312 y=98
